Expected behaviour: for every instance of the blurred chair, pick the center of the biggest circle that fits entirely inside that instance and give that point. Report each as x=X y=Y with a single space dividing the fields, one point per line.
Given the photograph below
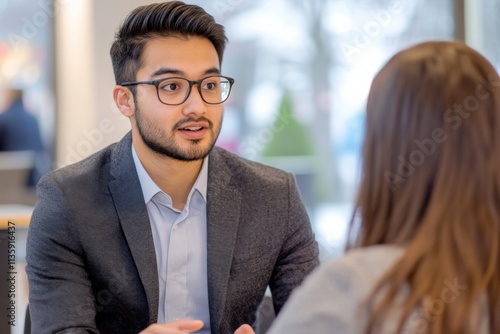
x=27 y=321
x=15 y=168
x=265 y=315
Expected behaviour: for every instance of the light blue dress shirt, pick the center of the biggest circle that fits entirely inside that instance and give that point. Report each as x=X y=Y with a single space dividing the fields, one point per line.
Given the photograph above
x=180 y=241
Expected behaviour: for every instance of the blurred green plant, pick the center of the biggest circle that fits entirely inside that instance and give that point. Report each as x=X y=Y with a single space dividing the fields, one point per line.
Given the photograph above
x=290 y=137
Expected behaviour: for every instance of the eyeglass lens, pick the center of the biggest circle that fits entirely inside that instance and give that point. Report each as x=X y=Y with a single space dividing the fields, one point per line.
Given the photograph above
x=176 y=90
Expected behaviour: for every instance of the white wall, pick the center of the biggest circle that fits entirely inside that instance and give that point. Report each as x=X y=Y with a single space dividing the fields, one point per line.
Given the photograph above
x=87 y=119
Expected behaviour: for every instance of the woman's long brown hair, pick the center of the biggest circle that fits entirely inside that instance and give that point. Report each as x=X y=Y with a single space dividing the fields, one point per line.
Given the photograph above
x=430 y=183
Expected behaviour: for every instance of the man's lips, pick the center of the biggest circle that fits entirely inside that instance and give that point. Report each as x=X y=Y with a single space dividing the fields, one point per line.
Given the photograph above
x=194 y=130
x=193 y=126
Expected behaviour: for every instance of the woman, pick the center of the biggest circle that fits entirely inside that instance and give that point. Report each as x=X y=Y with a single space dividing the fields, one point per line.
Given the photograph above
x=423 y=254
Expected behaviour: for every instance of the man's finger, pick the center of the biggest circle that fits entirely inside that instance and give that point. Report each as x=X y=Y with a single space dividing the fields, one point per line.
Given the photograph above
x=188 y=325
x=176 y=326
x=244 y=329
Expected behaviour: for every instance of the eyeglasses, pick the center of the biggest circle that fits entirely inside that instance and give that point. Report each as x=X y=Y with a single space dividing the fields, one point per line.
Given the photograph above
x=174 y=91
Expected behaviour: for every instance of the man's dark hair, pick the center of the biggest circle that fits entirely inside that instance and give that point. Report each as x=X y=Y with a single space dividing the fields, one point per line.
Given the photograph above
x=173 y=18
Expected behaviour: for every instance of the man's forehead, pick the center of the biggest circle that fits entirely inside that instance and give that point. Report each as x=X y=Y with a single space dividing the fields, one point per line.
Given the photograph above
x=170 y=54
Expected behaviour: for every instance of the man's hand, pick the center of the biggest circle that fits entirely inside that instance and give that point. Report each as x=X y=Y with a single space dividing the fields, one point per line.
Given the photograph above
x=244 y=329
x=176 y=327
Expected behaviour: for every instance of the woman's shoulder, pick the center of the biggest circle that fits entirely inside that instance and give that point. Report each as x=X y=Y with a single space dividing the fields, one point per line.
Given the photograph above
x=357 y=271
x=330 y=299
x=373 y=260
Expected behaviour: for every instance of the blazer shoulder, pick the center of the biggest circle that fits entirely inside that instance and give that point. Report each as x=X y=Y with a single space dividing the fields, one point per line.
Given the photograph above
x=94 y=167
x=248 y=170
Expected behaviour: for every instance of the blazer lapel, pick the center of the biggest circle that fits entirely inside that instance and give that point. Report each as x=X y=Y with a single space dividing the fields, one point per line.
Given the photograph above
x=223 y=215
x=129 y=202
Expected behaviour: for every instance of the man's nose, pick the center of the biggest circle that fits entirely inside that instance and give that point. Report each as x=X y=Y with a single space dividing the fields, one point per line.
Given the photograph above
x=194 y=105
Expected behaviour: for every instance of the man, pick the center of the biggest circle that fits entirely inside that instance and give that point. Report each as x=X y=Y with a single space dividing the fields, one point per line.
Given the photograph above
x=18 y=128
x=20 y=131
x=163 y=226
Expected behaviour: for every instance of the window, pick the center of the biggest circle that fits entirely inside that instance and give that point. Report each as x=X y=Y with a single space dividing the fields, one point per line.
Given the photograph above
x=26 y=60
x=310 y=68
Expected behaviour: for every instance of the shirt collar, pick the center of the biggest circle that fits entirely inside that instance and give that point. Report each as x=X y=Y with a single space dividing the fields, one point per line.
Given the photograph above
x=149 y=187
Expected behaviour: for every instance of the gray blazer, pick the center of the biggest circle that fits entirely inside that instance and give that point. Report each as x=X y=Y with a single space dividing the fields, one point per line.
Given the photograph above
x=91 y=261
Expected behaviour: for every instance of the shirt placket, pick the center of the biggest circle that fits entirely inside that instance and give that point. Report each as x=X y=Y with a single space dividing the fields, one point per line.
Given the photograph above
x=177 y=292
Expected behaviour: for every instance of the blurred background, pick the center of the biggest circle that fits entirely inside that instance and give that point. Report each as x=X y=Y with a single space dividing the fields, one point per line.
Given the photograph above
x=303 y=69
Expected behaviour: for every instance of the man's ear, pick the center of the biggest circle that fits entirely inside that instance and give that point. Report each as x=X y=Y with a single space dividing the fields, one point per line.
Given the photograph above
x=124 y=100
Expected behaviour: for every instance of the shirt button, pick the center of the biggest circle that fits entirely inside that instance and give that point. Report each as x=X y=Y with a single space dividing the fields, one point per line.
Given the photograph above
x=175 y=228
x=176 y=277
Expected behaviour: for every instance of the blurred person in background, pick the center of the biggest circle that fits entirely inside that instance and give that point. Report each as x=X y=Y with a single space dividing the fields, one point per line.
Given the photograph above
x=423 y=254
x=20 y=131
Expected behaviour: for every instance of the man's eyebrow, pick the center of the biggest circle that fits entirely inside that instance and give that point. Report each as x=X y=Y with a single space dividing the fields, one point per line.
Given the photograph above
x=166 y=70
x=213 y=70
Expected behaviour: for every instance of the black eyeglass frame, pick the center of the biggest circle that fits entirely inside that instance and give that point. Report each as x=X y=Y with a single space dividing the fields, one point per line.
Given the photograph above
x=156 y=83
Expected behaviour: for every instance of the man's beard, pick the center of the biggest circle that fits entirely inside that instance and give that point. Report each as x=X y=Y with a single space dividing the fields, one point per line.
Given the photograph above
x=155 y=138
